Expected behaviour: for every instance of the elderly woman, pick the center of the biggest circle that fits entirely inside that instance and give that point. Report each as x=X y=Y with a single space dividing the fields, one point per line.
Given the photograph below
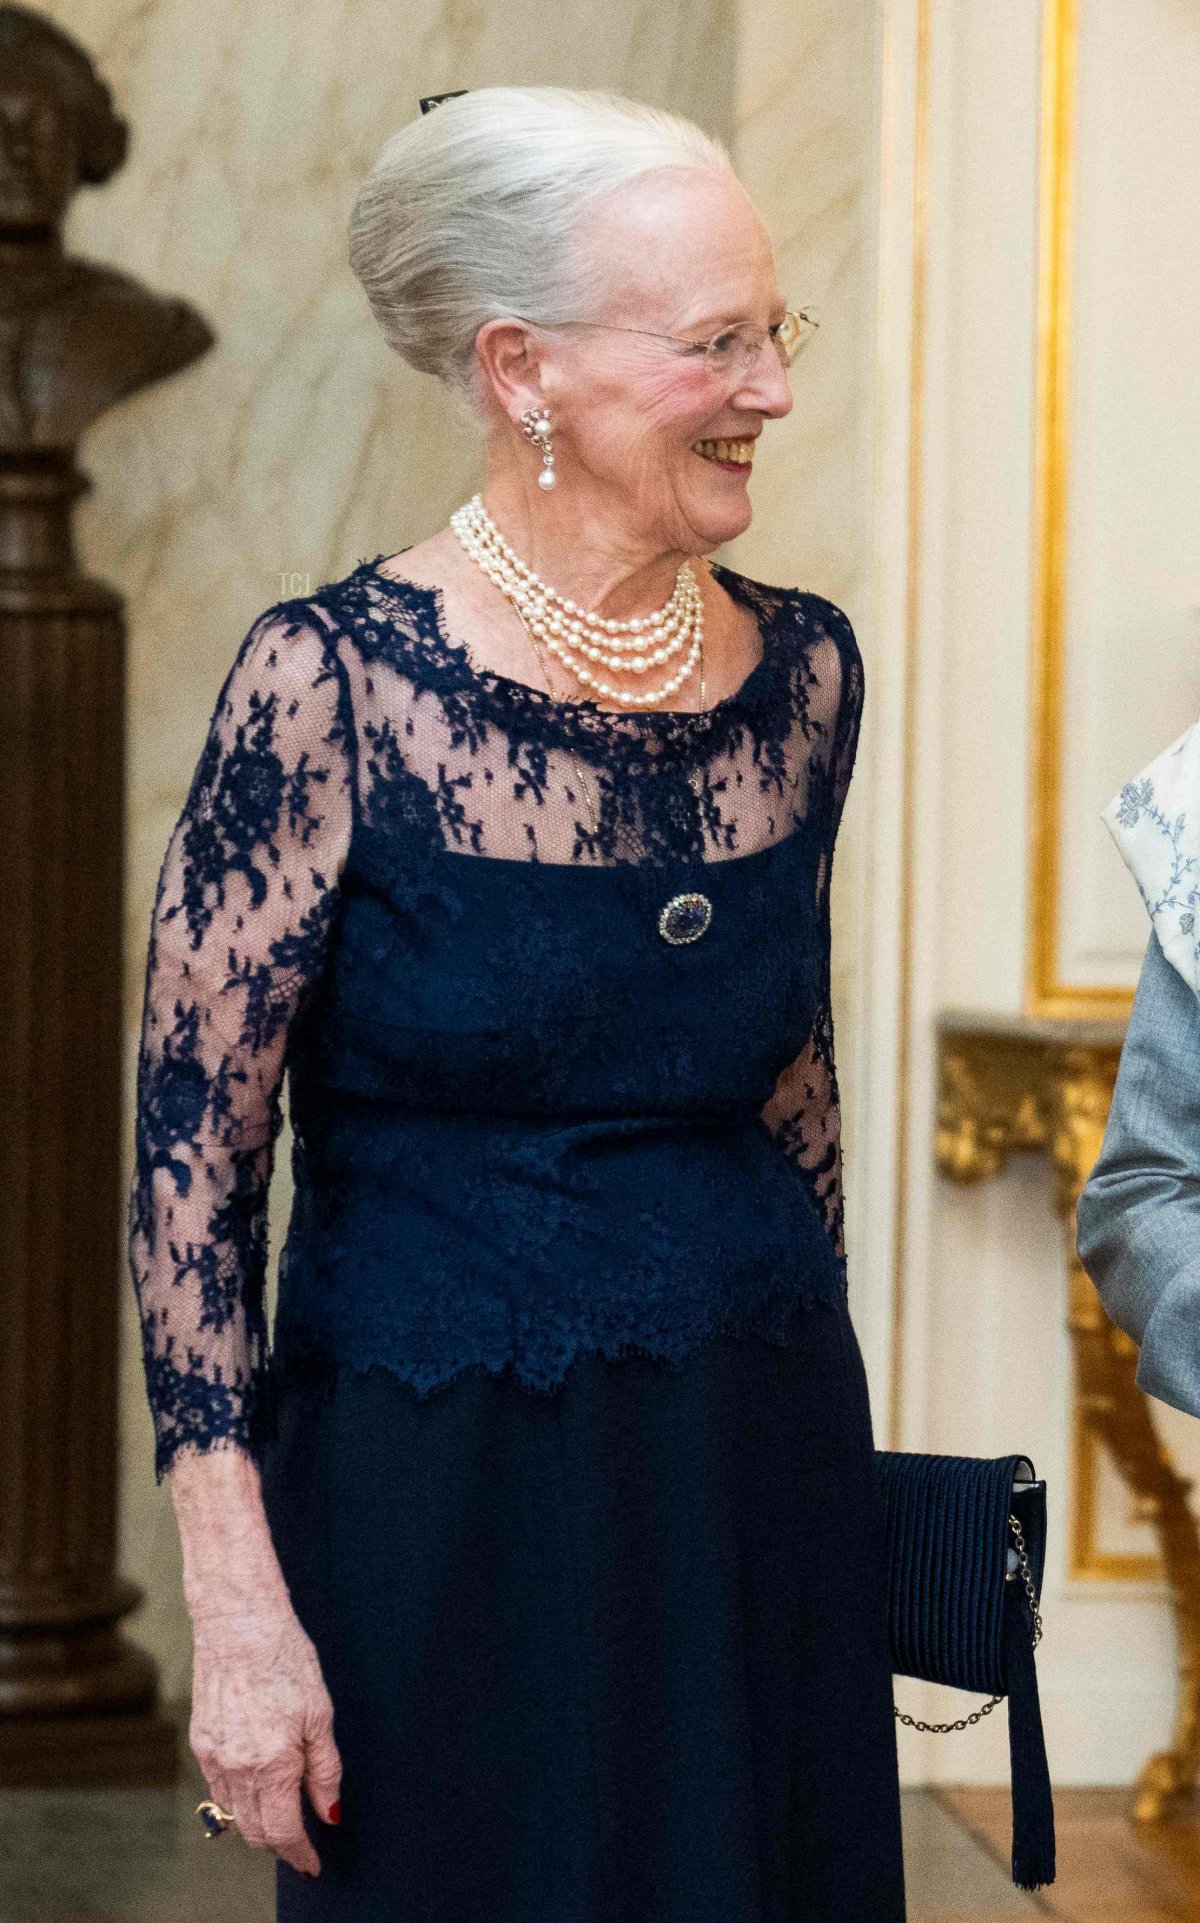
x=1139 y=1214
x=536 y=1565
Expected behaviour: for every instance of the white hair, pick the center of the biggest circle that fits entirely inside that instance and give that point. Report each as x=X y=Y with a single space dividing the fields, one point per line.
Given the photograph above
x=472 y=212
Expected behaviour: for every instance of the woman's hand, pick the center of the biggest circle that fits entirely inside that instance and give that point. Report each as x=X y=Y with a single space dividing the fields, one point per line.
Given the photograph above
x=262 y=1719
x=262 y=1724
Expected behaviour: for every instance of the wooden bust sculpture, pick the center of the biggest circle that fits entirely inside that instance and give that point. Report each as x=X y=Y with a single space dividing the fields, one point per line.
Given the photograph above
x=75 y=335
x=77 y=1698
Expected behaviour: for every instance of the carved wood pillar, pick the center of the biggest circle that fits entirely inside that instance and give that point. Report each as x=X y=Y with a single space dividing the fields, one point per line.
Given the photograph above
x=77 y=1699
x=77 y=337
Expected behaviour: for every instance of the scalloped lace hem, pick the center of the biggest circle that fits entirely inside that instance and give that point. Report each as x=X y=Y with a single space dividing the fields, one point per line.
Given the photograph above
x=315 y=1364
x=310 y=1363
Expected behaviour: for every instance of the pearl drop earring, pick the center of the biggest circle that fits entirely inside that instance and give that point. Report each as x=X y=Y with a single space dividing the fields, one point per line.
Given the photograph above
x=536 y=423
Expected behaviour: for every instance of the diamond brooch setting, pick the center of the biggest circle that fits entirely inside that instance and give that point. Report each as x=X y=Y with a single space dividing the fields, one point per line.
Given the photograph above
x=684 y=918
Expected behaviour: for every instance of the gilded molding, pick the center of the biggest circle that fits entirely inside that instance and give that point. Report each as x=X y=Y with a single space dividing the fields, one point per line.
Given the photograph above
x=1047 y=994
x=988 y=1108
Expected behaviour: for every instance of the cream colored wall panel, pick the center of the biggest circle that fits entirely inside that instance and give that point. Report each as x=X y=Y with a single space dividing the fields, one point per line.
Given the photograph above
x=984 y=234
x=1132 y=627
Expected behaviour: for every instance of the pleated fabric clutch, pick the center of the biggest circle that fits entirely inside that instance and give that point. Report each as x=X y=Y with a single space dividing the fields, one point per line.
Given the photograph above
x=966 y=1548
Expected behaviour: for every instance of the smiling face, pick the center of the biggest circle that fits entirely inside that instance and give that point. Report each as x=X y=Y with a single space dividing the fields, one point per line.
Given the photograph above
x=686 y=255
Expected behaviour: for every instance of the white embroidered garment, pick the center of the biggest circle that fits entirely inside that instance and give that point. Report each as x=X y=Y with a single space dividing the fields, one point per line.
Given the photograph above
x=1155 y=822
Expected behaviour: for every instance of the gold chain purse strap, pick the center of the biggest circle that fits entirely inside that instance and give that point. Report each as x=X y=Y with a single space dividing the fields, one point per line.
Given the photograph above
x=977 y=1715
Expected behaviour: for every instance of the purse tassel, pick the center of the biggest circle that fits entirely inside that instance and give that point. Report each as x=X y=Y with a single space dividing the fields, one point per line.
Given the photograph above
x=1032 y=1799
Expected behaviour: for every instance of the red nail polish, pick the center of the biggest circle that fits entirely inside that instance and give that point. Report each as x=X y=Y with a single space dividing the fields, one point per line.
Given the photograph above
x=335 y=1812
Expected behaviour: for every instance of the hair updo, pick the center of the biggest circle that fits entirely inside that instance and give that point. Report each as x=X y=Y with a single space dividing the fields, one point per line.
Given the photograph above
x=472 y=212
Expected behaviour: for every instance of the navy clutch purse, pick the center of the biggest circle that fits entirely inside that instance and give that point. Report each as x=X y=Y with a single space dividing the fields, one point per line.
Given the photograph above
x=966 y=1548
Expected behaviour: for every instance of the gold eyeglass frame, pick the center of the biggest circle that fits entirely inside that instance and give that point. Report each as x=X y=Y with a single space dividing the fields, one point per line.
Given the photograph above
x=786 y=334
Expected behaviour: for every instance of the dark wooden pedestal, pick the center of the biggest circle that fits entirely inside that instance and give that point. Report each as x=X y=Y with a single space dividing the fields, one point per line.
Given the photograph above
x=134 y=1751
x=78 y=1701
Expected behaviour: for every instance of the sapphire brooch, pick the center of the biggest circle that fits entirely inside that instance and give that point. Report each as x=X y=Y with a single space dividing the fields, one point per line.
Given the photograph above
x=685 y=918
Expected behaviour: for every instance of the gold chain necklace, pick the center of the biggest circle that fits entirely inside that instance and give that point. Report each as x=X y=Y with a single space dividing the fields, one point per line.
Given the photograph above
x=546 y=673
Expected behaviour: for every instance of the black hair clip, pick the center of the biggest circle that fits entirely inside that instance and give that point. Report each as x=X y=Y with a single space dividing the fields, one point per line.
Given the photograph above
x=435 y=99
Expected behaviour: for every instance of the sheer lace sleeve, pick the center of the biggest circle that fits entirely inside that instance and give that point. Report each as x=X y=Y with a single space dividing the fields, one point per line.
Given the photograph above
x=804 y=1112
x=245 y=899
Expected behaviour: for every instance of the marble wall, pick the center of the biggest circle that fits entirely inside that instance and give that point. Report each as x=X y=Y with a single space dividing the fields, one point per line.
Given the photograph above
x=807 y=144
x=299 y=445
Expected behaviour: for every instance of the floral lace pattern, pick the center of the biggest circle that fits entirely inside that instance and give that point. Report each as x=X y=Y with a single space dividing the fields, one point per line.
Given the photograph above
x=1155 y=822
x=378 y=886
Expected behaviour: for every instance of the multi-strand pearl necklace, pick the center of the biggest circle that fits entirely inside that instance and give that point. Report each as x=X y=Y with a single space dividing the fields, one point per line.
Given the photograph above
x=568 y=631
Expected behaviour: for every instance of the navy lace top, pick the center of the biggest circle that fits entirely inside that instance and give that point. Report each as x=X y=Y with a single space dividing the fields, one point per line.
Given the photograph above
x=532 y=1113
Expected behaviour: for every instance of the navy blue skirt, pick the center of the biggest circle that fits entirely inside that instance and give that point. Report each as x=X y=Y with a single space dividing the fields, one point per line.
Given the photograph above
x=615 y=1654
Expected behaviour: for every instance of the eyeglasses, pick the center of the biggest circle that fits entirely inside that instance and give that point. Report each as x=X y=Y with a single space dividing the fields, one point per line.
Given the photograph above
x=735 y=348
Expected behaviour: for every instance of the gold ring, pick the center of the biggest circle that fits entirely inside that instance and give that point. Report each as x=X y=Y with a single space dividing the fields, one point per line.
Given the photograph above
x=215 y=1819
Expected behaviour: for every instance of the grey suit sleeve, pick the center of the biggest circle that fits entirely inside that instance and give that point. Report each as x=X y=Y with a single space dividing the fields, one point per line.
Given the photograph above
x=1138 y=1219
